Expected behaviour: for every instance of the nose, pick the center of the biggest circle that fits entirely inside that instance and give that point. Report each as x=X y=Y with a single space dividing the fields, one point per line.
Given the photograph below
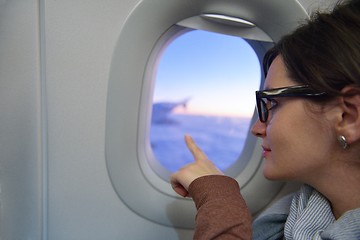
x=259 y=129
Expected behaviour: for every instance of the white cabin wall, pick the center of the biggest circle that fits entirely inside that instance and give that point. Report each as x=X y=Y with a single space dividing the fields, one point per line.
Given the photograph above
x=20 y=121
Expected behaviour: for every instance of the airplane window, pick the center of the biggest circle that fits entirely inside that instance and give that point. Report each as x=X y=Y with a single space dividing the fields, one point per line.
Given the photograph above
x=204 y=86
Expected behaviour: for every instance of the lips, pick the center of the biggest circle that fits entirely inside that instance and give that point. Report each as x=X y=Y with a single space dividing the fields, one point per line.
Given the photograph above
x=266 y=151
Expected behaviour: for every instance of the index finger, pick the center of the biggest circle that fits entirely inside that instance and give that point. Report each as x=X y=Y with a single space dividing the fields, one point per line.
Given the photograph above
x=197 y=153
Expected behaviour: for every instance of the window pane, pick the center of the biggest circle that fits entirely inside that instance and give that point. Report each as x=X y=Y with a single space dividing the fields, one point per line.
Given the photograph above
x=205 y=87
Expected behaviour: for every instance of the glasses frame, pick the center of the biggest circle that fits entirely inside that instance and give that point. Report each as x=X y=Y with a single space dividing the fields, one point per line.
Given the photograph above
x=292 y=91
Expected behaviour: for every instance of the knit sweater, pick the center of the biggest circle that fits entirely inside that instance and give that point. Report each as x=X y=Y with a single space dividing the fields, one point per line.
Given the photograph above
x=222 y=212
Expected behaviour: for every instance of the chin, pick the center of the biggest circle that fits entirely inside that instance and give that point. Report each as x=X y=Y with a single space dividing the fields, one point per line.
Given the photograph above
x=272 y=175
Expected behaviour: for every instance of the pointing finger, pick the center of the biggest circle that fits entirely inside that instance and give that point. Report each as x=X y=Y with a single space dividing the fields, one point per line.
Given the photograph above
x=194 y=149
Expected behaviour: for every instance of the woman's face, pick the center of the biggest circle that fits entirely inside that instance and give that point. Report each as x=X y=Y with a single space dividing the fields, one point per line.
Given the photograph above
x=296 y=140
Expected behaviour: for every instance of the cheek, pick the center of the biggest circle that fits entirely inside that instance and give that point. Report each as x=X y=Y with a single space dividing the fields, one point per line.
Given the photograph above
x=298 y=149
x=294 y=127
x=299 y=144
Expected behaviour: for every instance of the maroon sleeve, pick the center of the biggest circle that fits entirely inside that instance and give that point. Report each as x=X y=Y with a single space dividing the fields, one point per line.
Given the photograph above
x=222 y=212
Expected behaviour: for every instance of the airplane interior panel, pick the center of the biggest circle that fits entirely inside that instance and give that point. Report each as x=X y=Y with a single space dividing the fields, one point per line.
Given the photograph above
x=77 y=89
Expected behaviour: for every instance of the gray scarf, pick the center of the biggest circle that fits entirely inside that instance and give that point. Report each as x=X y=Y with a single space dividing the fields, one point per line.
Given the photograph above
x=310 y=213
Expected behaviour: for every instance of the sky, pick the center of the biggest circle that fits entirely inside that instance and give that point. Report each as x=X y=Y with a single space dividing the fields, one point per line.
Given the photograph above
x=219 y=73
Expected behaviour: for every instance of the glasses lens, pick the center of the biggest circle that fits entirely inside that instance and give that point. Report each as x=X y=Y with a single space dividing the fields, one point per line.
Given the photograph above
x=263 y=113
x=261 y=107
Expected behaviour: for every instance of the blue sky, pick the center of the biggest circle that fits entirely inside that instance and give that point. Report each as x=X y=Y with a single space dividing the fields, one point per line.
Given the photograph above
x=219 y=72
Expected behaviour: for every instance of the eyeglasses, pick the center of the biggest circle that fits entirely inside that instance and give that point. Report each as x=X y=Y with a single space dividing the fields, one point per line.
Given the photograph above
x=265 y=99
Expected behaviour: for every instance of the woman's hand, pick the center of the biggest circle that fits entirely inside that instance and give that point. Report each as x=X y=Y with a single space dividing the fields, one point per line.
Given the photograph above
x=202 y=166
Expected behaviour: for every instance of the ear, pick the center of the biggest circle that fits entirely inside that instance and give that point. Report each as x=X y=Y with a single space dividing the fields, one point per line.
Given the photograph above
x=349 y=124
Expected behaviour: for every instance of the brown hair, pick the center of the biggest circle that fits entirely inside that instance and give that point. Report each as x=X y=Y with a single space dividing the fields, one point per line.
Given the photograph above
x=324 y=53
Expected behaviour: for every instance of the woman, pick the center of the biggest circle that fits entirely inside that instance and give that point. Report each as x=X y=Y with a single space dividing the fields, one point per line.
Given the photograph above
x=309 y=123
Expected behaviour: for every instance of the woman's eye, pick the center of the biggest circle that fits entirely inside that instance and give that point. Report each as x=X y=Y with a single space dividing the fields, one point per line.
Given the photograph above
x=271 y=103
